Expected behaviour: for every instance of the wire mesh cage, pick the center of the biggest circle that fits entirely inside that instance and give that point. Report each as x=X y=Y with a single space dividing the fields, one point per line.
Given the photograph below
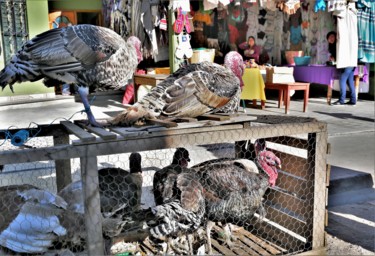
x=242 y=186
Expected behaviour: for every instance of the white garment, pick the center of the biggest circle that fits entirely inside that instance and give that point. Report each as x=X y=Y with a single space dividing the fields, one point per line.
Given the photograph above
x=347 y=37
x=336 y=5
x=184 y=4
x=212 y=4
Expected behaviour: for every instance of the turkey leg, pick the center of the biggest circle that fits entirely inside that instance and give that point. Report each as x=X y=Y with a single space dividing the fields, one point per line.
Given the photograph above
x=84 y=92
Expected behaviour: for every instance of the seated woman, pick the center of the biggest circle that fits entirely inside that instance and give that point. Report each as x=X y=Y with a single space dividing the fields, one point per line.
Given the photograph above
x=251 y=50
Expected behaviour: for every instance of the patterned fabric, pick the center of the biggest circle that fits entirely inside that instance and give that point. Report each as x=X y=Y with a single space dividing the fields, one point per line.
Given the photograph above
x=366 y=29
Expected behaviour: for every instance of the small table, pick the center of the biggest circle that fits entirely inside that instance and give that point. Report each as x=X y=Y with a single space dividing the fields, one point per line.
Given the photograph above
x=148 y=79
x=284 y=93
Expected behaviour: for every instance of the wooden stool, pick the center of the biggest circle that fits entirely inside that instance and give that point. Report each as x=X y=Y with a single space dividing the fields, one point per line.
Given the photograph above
x=148 y=79
x=284 y=93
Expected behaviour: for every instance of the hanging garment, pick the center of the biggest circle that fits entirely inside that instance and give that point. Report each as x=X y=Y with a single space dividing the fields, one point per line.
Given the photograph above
x=147 y=21
x=184 y=4
x=184 y=47
x=347 y=37
x=320 y=5
x=366 y=31
x=336 y=5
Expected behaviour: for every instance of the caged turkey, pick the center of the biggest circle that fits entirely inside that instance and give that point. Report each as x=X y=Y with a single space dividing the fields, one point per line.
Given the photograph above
x=88 y=56
x=34 y=220
x=234 y=188
x=120 y=191
x=179 y=209
x=193 y=90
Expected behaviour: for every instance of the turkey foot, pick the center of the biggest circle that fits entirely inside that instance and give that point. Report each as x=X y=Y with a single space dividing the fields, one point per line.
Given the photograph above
x=228 y=236
x=83 y=93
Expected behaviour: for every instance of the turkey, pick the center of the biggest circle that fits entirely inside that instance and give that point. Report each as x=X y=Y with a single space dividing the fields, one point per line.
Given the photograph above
x=193 y=90
x=233 y=189
x=120 y=191
x=33 y=219
x=88 y=56
x=179 y=201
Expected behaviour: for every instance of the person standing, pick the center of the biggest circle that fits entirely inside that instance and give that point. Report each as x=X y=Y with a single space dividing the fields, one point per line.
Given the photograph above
x=347 y=51
x=346 y=76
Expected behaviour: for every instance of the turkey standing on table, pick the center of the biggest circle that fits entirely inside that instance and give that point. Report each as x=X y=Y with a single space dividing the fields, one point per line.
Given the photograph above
x=193 y=90
x=85 y=55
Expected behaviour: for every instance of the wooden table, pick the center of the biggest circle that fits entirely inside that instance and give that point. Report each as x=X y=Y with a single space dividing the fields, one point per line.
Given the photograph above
x=284 y=93
x=148 y=79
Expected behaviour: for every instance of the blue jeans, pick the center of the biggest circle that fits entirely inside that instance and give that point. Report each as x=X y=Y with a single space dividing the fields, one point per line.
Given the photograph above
x=347 y=76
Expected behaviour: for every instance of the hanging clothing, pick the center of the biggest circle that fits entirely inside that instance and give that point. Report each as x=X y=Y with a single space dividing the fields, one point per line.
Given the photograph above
x=366 y=31
x=147 y=21
x=184 y=4
x=347 y=37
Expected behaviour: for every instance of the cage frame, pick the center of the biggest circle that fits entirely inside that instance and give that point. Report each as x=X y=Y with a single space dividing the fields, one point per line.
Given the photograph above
x=117 y=141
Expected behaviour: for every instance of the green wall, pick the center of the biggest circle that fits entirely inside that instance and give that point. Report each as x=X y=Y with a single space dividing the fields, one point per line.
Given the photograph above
x=37 y=19
x=79 y=5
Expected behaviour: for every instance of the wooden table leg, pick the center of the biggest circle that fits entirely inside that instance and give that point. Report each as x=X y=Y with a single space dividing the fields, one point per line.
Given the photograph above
x=356 y=86
x=287 y=100
x=263 y=104
x=136 y=87
x=329 y=95
x=281 y=94
x=306 y=99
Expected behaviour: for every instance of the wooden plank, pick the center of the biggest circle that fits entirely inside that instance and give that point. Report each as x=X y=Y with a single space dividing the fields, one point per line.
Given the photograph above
x=295 y=165
x=289 y=222
x=322 y=251
x=290 y=204
x=77 y=131
x=102 y=133
x=147 y=244
x=129 y=131
x=151 y=142
x=290 y=141
x=213 y=117
x=293 y=184
x=195 y=130
x=317 y=157
x=265 y=244
x=63 y=166
x=254 y=247
x=238 y=248
x=165 y=123
x=274 y=236
x=221 y=249
x=93 y=216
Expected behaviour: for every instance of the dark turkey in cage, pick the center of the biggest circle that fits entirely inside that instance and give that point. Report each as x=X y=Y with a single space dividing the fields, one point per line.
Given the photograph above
x=120 y=191
x=234 y=188
x=180 y=205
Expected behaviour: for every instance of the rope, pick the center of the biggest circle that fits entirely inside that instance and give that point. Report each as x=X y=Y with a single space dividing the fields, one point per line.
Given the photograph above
x=24 y=135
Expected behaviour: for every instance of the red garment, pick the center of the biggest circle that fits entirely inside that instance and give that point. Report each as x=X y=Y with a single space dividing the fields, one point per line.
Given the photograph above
x=129 y=91
x=128 y=95
x=233 y=34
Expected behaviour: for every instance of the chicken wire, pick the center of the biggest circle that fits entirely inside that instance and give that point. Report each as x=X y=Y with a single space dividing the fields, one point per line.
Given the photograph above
x=292 y=208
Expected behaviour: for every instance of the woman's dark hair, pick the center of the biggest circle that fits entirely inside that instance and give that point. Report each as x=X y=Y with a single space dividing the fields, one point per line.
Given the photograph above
x=331 y=33
x=251 y=37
